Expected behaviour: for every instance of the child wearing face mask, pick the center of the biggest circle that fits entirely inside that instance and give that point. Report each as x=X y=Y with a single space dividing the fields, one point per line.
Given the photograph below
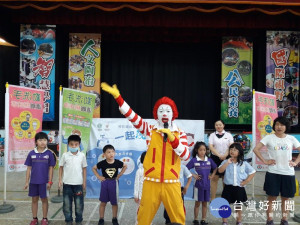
x=72 y=176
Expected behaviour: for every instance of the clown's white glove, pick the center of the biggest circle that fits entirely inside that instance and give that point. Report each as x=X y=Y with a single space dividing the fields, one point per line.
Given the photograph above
x=113 y=90
x=171 y=136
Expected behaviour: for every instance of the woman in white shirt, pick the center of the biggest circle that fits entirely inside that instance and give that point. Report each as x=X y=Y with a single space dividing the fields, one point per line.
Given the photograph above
x=219 y=142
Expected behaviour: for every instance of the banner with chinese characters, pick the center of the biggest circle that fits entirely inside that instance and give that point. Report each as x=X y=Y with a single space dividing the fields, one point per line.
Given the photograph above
x=25 y=120
x=282 y=71
x=84 y=65
x=77 y=113
x=236 y=84
x=264 y=112
x=129 y=143
x=37 y=63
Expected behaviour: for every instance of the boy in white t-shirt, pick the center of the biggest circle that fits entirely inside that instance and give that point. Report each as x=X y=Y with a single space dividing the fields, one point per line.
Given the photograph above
x=72 y=176
x=280 y=177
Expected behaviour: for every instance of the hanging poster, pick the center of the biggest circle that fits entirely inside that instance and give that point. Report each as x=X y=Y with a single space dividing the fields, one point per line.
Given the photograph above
x=282 y=71
x=84 y=65
x=264 y=113
x=37 y=62
x=25 y=120
x=77 y=114
x=236 y=83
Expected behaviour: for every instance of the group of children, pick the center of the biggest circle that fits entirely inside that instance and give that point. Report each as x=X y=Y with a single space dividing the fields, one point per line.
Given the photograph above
x=72 y=177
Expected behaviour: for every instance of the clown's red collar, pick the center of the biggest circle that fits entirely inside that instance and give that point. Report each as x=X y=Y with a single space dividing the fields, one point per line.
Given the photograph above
x=174 y=127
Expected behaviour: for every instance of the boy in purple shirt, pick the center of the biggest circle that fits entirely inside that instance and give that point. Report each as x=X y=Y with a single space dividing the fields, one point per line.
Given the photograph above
x=109 y=182
x=40 y=163
x=203 y=166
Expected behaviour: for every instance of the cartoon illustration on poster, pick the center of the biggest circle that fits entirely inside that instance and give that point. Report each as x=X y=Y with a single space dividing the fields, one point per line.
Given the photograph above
x=25 y=120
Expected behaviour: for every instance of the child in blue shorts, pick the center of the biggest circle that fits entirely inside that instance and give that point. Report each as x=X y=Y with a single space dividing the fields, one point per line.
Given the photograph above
x=40 y=163
x=109 y=182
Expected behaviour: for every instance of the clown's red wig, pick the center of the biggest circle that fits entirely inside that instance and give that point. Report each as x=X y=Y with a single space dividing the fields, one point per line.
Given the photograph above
x=167 y=101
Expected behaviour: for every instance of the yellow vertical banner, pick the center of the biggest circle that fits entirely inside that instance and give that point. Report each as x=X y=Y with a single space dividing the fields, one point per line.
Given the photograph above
x=85 y=65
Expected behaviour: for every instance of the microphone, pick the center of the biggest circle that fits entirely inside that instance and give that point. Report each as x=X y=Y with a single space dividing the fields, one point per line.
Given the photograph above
x=166 y=125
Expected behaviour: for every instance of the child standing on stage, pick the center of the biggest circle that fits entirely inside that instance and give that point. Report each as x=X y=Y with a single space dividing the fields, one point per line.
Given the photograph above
x=109 y=182
x=72 y=176
x=238 y=173
x=203 y=166
x=40 y=163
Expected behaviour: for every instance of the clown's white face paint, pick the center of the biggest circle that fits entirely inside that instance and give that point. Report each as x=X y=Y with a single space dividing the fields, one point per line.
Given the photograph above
x=164 y=115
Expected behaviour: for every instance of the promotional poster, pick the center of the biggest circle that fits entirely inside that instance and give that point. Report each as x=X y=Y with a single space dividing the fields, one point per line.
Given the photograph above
x=236 y=83
x=37 y=63
x=25 y=120
x=77 y=114
x=84 y=65
x=282 y=71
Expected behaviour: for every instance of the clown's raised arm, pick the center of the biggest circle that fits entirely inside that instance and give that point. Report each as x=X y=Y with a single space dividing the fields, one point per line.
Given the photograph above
x=164 y=111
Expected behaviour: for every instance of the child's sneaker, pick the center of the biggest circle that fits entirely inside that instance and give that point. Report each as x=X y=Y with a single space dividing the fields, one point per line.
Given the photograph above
x=270 y=222
x=44 y=222
x=203 y=222
x=115 y=221
x=101 y=222
x=284 y=222
x=196 y=222
x=34 y=222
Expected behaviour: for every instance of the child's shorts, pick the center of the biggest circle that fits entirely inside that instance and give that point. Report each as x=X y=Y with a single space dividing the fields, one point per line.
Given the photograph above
x=201 y=195
x=109 y=191
x=234 y=194
x=277 y=183
x=38 y=190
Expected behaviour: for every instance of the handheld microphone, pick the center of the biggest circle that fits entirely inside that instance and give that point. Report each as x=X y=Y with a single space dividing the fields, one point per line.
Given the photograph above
x=166 y=125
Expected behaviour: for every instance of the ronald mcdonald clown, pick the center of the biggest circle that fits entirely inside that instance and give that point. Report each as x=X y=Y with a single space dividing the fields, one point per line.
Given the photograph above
x=162 y=161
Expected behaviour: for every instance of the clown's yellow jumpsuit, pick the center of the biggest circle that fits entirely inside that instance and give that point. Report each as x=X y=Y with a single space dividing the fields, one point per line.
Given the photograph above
x=161 y=168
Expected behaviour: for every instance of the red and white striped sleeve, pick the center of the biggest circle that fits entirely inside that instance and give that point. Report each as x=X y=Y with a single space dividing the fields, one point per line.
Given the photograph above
x=180 y=146
x=134 y=118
